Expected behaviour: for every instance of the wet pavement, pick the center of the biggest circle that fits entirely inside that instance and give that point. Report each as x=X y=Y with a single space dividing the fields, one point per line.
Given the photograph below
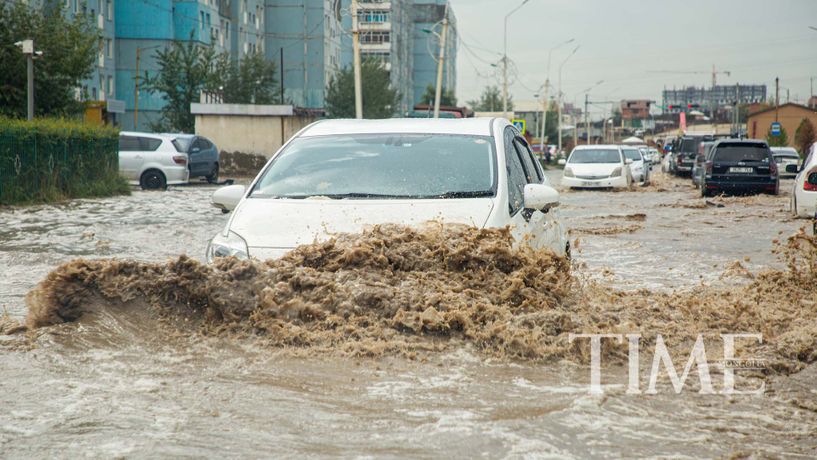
x=117 y=386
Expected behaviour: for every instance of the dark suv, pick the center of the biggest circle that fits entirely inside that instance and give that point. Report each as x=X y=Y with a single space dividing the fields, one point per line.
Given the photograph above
x=740 y=166
x=685 y=152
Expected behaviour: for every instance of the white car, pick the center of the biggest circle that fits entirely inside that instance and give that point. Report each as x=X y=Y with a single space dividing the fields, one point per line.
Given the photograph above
x=344 y=175
x=804 y=191
x=597 y=166
x=640 y=167
x=785 y=156
x=152 y=161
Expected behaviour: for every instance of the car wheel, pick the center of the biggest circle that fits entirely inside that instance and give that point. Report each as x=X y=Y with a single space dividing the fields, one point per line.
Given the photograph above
x=212 y=178
x=153 y=180
x=704 y=191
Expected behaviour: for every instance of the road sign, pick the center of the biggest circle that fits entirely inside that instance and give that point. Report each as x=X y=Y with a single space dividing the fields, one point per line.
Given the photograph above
x=775 y=129
x=521 y=125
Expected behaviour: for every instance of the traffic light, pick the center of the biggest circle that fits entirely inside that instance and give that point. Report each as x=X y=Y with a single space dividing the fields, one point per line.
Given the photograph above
x=693 y=106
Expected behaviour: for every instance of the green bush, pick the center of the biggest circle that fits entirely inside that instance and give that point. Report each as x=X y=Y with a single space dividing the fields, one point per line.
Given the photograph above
x=51 y=160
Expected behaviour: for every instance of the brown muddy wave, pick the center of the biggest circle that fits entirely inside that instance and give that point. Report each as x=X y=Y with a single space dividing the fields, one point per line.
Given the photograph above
x=400 y=290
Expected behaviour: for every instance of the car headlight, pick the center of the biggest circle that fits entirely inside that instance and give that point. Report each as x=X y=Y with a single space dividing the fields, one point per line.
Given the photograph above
x=616 y=172
x=231 y=245
x=568 y=172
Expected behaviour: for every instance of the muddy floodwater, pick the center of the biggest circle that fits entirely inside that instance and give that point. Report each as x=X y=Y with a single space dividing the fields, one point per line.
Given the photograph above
x=123 y=381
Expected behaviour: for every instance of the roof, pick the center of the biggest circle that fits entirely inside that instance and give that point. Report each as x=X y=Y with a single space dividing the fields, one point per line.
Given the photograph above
x=788 y=104
x=597 y=146
x=154 y=135
x=466 y=126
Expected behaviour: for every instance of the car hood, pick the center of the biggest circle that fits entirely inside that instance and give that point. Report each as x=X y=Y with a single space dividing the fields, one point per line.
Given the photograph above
x=285 y=224
x=593 y=169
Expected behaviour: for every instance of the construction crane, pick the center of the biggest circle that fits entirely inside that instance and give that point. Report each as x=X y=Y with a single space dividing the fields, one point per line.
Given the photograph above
x=714 y=74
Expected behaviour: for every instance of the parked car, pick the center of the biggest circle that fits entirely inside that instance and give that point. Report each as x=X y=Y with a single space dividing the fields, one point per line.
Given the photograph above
x=704 y=149
x=202 y=154
x=740 y=166
x=785 y=156
x=804 y=190
x=639 y=166
x=152 y=161
x=597 y=166
x=684 y=152
x=343 y=175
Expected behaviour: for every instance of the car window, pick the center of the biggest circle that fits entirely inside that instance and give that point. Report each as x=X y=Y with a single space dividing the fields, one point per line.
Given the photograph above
x=632 y=154
x=129 y=144
x=205 y=144
x=516 y=174
x=182 y=144
x=596 y=156
x=742 y=152
x=197 y=144
x=149 y=144
x=532 y=173
x=382 y=166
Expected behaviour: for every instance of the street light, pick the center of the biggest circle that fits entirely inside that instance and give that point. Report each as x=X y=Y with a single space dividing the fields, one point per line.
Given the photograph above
x=560 y=94
x=586 y=102
x=27 y=47
x=545 y=103
x=505 y=60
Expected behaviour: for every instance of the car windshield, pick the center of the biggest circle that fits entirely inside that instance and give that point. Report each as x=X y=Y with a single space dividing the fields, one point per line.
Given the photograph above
x=382 y=166
x=690 y=145
x=632 y=154
x=600 y=156
x=744 y=152
x=182 y=144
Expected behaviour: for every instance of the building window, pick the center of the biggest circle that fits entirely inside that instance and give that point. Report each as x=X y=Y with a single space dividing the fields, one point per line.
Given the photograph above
x=375 y=38
x=109 y=9
x=109 y=47
x=110 y=86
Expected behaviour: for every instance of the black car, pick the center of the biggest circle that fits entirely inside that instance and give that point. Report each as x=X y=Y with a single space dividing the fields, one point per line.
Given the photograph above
x=685 y=151
x=740 y=166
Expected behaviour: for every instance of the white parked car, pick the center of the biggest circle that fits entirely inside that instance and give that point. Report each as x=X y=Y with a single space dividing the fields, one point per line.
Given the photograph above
x=804 y=191
x=785 y=156
x=639 y=166
x=343 y=175
x=152 y=161
x=597 y=166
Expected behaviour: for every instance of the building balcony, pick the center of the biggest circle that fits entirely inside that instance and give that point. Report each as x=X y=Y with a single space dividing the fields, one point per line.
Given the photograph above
x=375 y=26
x=375 y=47
x=373 y=5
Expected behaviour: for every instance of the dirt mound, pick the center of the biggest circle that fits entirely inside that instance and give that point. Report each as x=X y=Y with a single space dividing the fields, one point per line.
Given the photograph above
x=395 y=289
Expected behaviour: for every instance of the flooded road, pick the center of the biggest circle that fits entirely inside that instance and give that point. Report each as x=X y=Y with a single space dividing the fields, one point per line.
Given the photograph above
x=120 y=384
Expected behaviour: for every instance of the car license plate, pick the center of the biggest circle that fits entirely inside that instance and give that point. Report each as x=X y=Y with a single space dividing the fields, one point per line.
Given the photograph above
x=588 y=184
x=742 y=170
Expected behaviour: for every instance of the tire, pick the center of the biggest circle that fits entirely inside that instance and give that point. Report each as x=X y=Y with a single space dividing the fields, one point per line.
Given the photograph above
x=212 y=178
x=153 y=179
x=704 y=191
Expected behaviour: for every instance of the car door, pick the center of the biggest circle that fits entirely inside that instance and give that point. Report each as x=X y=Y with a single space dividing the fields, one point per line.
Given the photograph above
x=212 y=155
x=197 y=157
x=524 y=227
x=131 y=157
x=544 y=228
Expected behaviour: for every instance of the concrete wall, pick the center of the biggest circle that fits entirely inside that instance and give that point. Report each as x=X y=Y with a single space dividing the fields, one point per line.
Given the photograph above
x=252 y=129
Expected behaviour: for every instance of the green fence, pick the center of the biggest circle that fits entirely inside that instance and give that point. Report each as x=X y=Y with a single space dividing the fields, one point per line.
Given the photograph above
x=51 y=160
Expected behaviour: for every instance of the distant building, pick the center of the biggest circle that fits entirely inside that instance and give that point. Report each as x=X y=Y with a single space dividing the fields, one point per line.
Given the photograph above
x=308 y=33
x=722 y=96
x=758 y=124
x=427 y=15
x=145 y=26
x=812 y=102
x=635 y=109
x=247 y=27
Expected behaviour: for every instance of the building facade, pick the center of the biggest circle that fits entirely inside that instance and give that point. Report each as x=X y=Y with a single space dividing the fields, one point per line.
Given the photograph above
x=427 y=20
x=307 y=34
x=759 y=123
x=144 y=26
x=719 y=97
x=248 y=27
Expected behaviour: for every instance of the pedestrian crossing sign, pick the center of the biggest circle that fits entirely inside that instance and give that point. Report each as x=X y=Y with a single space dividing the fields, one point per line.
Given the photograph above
x=521 y=125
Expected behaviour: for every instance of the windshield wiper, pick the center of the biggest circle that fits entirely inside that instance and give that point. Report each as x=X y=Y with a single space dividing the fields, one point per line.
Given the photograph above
x=340 y=196
x=471 y=194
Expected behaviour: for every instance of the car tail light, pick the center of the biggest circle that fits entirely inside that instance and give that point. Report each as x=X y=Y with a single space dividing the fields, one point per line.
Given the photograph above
x=678 y=159
x=709 y=168
x=180 y=159
x=810 y=185
x=773 y=169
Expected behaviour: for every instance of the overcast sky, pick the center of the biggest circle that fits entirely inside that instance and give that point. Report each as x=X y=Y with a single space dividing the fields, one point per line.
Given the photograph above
x=625 y=42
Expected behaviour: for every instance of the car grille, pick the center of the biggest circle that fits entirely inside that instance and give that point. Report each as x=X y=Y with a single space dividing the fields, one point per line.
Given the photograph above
x=591 y=177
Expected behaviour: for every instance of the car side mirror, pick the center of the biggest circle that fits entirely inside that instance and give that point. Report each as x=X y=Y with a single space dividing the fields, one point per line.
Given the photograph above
x=562 y=162
x=540 y=197
x=792 y=169
x=628 y=161
x=227 y=198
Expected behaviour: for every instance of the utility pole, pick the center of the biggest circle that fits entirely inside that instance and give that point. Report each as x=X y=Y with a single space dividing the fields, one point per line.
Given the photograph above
x=505 y=60
x=560 y=95
x=586 y=120
x=547 y=95
x=356 y=48
x=776 y=97
x=27 y=47
x=440 y=65
x=136 y=92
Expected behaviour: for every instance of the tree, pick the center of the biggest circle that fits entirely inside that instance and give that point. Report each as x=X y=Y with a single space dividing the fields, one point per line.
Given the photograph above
x=184 y=70
x=490 y=101
x=379 y=99
x=805 y=136
x=248 y=81
x=69 y=51
x=447 y=97
x=780 y=140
